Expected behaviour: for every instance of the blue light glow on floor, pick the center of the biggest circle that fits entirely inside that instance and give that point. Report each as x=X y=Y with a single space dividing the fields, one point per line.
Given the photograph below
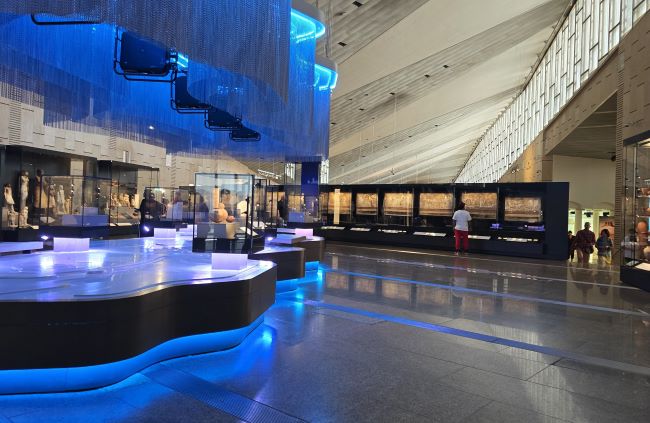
x=88 y=377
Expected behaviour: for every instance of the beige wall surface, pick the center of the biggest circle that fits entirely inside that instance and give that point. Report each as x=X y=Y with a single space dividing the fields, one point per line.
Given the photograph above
x=592 y=181
x=635 y=55
x=22 y=124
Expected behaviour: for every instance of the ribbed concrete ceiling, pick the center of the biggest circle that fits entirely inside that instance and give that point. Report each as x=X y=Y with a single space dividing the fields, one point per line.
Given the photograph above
x=421 y=81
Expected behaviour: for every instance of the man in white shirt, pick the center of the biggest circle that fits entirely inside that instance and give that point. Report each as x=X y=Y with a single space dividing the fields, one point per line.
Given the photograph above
x=461 y=220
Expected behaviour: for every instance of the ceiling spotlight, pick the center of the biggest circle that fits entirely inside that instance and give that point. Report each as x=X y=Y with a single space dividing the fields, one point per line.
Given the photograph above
x=151 y=127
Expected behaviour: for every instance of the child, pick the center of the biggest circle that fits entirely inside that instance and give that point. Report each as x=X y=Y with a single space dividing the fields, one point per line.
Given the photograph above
x=604 y=245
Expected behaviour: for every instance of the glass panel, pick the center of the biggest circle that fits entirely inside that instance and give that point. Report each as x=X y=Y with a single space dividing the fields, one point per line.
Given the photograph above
x=481 y=205
x=523 y=209
x=166 y=206
x=72 y=201
x=224 y=219
x=397 y=208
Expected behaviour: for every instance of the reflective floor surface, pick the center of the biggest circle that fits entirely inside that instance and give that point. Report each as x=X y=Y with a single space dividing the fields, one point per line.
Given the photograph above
x=393 y=335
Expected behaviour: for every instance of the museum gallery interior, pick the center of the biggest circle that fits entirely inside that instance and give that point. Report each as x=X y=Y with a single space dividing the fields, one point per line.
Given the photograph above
x=325 y=210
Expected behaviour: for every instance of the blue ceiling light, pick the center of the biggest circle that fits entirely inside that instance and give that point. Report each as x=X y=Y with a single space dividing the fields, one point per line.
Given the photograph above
x=303 y=26
x=325 y=79
x=307 y=21
x=182 y=62
x=325 y=74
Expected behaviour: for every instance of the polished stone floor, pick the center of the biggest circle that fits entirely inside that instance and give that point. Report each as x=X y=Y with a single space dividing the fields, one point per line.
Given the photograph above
x=406 y=335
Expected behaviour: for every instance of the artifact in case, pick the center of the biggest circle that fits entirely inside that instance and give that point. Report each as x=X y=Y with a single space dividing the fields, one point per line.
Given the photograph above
x=523 y=209
x=398 y=204
x=481 y=205
x=367 y=204
x=436 y=204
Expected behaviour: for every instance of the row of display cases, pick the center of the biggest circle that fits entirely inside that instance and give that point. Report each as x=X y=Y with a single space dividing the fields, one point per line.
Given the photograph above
x=78 y=201
x=527 y=220
x=77 y=206
x=505 y=205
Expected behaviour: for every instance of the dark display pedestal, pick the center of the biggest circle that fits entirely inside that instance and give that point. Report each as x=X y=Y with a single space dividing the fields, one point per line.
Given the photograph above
x=635 y=277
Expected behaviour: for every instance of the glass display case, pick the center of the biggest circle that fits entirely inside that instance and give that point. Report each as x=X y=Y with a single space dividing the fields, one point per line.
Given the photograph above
x=367 y=204
x=434 y=207
x=128 y=190
x=72 y=201
x=224 y=219
x=261 y=206
x=635 y=265
x=438 y=204
x=22 y=175
x=301 y=208
x=397 y=208
x=167 y=207
x=276 y=205
x=523 y=209
x=481 y=205
x=339 y=206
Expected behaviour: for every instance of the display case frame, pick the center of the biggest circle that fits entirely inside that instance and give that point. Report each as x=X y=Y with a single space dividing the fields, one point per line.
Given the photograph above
x=228 y=227
x=635 y=248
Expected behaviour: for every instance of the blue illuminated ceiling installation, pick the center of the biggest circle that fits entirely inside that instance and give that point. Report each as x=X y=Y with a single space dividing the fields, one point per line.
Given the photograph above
x=275 y=89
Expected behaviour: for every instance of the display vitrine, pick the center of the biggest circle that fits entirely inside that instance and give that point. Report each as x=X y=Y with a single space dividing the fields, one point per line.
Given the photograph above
x=301 y=208
x=64 y=204
x=22 y=172
x=523 y=209
x=367 y=204
x=167 y=206
x=481 y=205
x=635 y=263
x=261 y=206
x=436 y=204
x=224 y=220
x=129 y=183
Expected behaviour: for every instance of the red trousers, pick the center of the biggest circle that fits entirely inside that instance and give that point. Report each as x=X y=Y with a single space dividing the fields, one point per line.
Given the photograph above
x=461 y=236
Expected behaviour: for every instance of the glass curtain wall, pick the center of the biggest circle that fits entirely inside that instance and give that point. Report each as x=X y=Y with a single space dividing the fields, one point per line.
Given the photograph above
x=590 y=31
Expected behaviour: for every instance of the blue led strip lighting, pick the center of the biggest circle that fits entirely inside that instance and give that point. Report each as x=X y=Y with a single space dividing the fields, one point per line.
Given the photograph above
x=324 y=78
x=88 y=377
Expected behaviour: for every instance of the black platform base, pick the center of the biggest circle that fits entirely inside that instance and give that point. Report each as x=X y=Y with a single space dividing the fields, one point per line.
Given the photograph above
x=635 y=277
x=290 y=261
x=535 y=250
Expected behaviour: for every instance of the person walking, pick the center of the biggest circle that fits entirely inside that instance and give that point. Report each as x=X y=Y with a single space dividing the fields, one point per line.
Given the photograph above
x=585 y=241
x=461 y=220
x=571 y=245
x=604 y=246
